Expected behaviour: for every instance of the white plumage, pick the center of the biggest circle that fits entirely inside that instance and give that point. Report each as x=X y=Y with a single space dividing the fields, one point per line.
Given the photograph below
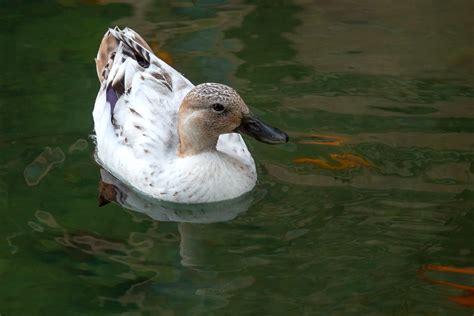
x=136 y=129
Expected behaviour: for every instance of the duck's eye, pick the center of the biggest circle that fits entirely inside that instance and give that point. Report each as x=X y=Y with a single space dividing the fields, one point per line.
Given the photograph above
x=217 y=107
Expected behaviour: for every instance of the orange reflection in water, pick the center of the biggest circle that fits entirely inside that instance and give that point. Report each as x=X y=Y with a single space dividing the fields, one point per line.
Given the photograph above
x=163 y=55
x=320 y=139
x=465 y=300
x=340 y=162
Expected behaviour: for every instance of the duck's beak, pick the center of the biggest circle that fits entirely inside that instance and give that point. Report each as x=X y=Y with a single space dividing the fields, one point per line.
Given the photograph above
x=252 y=126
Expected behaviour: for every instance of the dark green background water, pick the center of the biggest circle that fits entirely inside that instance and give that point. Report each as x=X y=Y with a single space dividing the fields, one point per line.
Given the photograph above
x=393 y=79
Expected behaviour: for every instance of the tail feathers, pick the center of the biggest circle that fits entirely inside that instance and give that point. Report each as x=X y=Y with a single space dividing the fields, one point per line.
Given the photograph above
x=134 y=46
x=129 y=38
x=136 y=37
x=105 y=55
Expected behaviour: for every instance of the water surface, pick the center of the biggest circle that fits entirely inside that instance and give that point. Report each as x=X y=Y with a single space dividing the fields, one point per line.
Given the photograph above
x=376 y=183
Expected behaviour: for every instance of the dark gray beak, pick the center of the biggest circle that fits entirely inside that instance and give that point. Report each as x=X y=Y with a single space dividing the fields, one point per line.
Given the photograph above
x=252 y=126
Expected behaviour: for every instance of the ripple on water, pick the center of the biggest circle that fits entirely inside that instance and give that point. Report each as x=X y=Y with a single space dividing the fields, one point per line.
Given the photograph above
x=43 y=163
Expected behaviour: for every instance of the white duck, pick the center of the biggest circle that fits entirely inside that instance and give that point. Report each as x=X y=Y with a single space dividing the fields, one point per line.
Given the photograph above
x=165 y=137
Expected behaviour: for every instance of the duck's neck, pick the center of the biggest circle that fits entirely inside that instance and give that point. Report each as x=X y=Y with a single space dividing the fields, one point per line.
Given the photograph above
x=194 y=140
x=196 y=147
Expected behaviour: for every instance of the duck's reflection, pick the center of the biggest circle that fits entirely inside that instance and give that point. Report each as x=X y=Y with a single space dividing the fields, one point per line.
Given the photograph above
x=198 y=244
x=194 y=239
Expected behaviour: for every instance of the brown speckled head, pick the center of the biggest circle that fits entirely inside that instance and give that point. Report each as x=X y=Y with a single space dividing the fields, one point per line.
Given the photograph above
x=212 y=109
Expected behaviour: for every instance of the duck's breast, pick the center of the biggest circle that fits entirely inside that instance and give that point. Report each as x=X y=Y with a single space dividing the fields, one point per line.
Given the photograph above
x=206 y=177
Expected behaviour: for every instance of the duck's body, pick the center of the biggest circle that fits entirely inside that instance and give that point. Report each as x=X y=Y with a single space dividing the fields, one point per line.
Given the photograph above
x=151 y=131
x=113 y=190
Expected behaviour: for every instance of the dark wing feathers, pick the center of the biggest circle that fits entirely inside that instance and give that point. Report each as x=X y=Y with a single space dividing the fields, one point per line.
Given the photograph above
x=133 y=46
x=124 y=44
x=141 y=54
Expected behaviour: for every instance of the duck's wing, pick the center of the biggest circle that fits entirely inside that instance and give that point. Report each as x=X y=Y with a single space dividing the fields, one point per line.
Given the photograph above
x=136 y=109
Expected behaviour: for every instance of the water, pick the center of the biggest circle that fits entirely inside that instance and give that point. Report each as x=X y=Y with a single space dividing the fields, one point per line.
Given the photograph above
x=376 y=183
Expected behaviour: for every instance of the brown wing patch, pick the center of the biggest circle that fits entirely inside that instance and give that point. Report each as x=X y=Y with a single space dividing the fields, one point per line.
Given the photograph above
x=105 y=55
x=109 y=44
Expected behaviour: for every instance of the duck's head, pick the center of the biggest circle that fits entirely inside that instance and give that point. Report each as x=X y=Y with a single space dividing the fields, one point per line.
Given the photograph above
x=212 y=109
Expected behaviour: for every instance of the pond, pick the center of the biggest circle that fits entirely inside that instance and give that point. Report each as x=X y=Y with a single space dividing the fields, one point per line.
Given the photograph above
x=368 y=210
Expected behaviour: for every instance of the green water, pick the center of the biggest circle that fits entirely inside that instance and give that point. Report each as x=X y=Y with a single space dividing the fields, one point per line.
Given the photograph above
x=376 y=182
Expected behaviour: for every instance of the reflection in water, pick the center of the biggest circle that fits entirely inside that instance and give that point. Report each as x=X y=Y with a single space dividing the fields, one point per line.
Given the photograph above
x=147 y=258
x=466 y=300
x=364 y=180
x=142 y=261
x=389 y=84
x=162 y=54
x=42 y=164
x=79 y=145
x=408 y=39
x=341 y=162
x=320 y=139
x=196 y=244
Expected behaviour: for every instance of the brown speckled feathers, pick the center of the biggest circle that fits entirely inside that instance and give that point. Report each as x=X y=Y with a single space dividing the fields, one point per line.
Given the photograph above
x=108 y=48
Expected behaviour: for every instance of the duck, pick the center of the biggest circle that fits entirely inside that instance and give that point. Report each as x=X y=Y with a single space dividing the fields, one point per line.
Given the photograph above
x=165 y=137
